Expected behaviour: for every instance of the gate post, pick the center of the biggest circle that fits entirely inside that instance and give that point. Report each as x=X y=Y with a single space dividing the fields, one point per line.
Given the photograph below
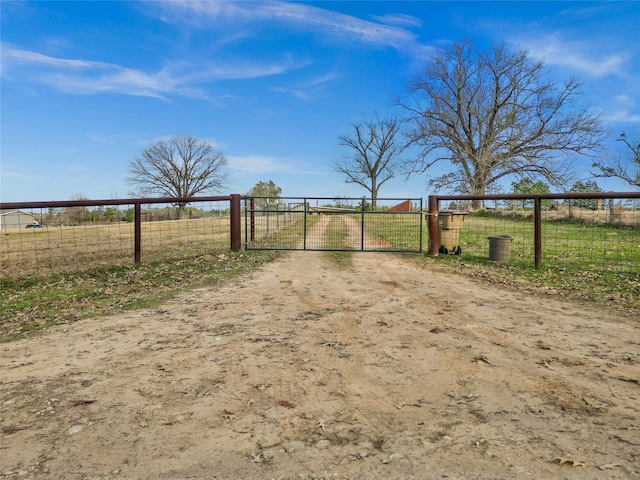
x=252 y=212
x=537 y=231
x=235 y=223
x=137 y=232
x=362 y=224
x=304 y=223
x=432 y=226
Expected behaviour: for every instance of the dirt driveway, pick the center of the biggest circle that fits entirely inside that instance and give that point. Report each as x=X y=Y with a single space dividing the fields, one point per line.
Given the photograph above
x=383 y=370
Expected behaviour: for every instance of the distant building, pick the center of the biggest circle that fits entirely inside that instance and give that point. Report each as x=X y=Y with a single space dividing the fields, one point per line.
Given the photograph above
x=16 y=219
x=402 y=207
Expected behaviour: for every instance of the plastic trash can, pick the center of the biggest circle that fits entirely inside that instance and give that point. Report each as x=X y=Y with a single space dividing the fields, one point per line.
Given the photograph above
x=449 y=225
x=500 y=247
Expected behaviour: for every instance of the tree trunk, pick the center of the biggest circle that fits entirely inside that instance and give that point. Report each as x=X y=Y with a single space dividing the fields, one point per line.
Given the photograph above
x=478 y=188
x=477 y=205
x=374 y=196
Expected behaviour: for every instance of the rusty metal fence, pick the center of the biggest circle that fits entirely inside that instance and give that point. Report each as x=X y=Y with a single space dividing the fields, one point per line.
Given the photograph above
x=551 y=230
x=41 y=237
x=594 y=231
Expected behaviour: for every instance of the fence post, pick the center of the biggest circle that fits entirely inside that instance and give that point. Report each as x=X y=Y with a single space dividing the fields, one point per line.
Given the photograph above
x=612 y=211
x=235 y=223
x=362 y=225
x=252 y=215
x=432 y=226
x=304 y=223
x=537 y=230
x=421 y=229
x=137 y=232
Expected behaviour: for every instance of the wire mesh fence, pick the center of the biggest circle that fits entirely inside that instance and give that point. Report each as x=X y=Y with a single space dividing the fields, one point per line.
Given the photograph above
x=333 y=224
x=48 y=239
x=589 y=234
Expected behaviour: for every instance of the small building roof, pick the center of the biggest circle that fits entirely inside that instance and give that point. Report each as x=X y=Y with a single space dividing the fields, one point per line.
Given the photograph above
x=8 y=212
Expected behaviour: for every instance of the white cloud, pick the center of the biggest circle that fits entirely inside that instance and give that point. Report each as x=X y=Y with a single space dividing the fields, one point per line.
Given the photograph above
x=256 y=164
x=621 y=116
x=329 y=77
x=73 y=167
x=16 y=175
x=331 y=23
x=625 y=101
x=293 y=92
x=259 y=164
x=577 y=55
x=621 y=109
x=86 y=77
x=25 y=57
x=399 y=20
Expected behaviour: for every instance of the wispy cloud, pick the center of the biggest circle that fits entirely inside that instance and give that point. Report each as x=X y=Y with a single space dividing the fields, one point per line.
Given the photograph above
x=334 y=24
x=16 y=175
x=399 y=20
x=323 y=79
x=622 y=109
x=577 y=55
x=73 y=167
x=621 y=116
x=311 y=88
x=255 y=164
x=291 y=91
x=259 y=164
x=85 y=77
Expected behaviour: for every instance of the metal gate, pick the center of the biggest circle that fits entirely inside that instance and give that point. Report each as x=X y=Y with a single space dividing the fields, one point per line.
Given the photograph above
x=333 y=224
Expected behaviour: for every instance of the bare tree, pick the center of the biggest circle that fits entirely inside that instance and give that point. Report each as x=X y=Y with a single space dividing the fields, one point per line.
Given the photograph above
x=617 y=168
x=179 y=167
x=493 y=114
x=373 y=159
x=77 y=215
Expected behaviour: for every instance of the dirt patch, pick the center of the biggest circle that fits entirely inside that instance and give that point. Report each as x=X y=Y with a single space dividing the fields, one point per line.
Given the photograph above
x=305 y=370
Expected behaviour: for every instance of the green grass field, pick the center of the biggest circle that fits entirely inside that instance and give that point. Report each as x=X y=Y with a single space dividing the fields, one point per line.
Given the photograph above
x=61 y=275
x=278 y=231
x=564 y=244
x=598 y=262
x=592 y=261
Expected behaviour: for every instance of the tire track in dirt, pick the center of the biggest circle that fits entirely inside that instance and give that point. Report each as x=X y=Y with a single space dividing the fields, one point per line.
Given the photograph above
x=305 y=370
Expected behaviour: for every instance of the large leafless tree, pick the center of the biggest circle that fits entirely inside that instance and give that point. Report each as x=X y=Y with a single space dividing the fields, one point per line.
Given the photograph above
x=179 y=167
x=374 y=146
x=626 y=166
x=494 y=114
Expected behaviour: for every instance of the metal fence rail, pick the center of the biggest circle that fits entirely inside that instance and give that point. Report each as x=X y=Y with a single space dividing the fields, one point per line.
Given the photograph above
x=550 y=230
x=592 y=230
x=40 y=237
x=333 y=224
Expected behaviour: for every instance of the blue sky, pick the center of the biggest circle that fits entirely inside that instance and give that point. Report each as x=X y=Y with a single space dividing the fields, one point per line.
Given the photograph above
x=86 y=86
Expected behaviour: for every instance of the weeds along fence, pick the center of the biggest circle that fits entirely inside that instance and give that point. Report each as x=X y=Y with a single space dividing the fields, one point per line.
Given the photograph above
x=592 y=231
x=47 y=237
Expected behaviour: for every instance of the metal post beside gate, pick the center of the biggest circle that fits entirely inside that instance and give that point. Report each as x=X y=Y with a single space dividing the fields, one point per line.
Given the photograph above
x=362 y=225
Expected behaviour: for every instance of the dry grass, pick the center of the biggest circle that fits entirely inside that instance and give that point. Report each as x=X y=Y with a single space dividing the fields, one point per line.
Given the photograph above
x=619 y=216
x=75 y=248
